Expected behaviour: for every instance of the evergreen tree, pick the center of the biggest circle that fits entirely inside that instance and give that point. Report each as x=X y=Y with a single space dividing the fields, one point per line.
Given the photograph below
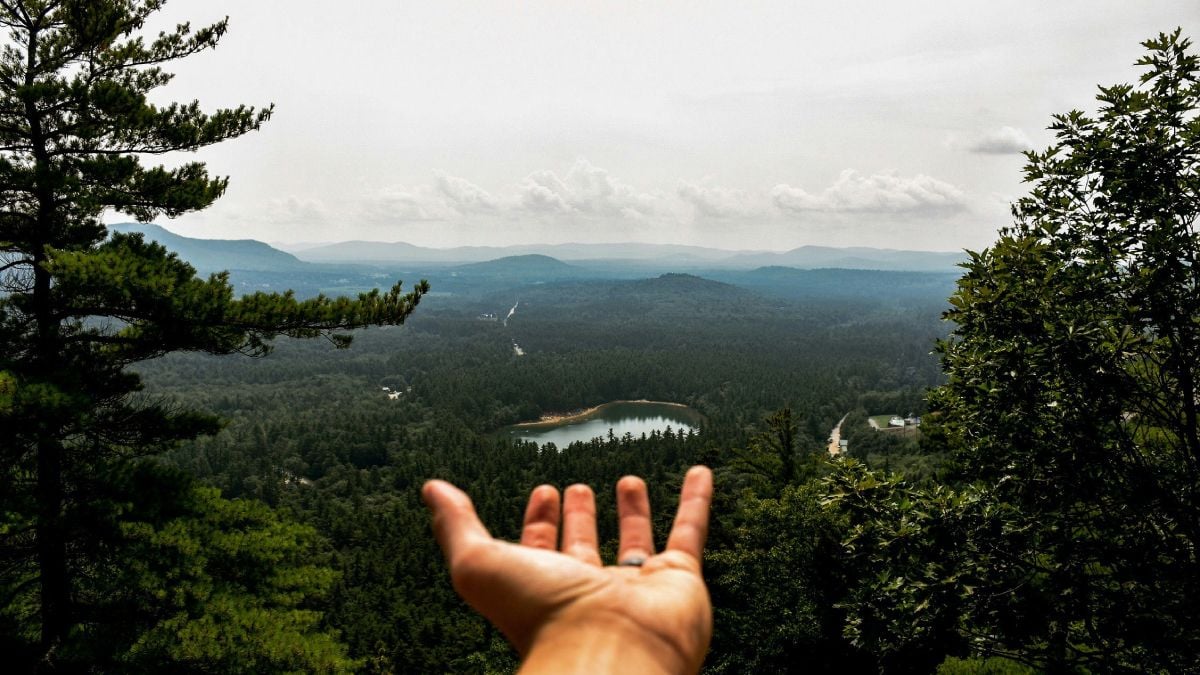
x=78 y=307
x=773 y=457
x=203 y=584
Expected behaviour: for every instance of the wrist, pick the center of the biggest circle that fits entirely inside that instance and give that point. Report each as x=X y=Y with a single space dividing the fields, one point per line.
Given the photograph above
x=603 y=645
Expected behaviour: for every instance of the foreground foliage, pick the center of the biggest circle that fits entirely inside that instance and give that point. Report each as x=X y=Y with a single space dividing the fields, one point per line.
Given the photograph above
x=1073 y=373
x=1067 y=537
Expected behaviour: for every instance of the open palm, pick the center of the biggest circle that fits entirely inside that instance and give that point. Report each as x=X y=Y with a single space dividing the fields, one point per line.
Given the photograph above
x=558 y=604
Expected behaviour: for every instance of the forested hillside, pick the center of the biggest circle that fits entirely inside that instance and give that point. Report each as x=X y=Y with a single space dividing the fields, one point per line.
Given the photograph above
x=311 y=433
x=1041 y=518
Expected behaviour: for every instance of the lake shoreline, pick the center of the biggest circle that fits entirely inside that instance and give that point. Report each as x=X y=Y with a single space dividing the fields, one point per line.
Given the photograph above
x=552 y=419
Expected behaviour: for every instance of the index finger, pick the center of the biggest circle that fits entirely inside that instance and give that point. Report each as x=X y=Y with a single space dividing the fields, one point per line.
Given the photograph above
x=541 y=519
x=455 y=524
x=691 y=521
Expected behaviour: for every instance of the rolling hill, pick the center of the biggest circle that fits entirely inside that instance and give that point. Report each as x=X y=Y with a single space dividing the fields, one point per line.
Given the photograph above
x=531 y=266
x=215 y=255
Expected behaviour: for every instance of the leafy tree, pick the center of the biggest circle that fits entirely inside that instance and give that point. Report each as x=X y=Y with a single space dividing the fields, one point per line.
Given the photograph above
x=995 y=665
x=78 y=307
x=776 y=581
x=1072 y=393
x=910 y=565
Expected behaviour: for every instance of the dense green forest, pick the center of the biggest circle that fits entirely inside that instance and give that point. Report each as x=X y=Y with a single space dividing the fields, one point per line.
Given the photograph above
x=310 y=432
x=168 y=505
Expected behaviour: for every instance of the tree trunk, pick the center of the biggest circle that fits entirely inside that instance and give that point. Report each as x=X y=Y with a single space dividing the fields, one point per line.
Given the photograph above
x=49 y=527
x=51 y=536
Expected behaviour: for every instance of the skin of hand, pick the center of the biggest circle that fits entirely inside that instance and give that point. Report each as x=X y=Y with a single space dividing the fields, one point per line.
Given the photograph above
x=560 y=607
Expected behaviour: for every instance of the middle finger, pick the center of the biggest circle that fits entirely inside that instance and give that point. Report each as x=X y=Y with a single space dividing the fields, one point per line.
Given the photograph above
x=633 y=512
x=579 y=539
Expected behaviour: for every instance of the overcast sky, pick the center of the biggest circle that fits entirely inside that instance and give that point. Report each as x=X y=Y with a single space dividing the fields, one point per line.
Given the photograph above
x=763 y=125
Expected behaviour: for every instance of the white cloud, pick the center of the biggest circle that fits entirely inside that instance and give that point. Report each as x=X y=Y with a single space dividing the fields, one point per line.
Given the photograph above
x=854 y=192
x=543 y=192
x=585 y=189
x=710 y=201
x=462 y=195
x=588 y=203
x=447 y=198
x=1002 y=141
x=401 y=204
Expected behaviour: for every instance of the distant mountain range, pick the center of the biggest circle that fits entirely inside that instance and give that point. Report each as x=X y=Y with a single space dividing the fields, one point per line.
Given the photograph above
x=854 y=258
x=675 y=255
x=209 y=255
x=385 y=252
x=215 y=255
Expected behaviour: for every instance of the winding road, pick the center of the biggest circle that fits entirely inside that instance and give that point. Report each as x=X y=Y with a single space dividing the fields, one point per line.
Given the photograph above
x=835 y=438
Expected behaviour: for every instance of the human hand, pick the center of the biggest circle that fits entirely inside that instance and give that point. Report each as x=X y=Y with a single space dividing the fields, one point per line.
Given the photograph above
x=560 y=607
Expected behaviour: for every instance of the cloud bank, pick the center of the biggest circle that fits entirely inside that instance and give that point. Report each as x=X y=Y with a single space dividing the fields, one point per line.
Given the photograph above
x=1002 y=141
x=460 y=195
x=585 y=189
x=854 y=192
x=588 y=191
x=586 y=202
x=715 y=202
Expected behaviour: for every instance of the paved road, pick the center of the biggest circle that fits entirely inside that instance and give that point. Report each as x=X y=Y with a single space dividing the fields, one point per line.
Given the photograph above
x=835 y=438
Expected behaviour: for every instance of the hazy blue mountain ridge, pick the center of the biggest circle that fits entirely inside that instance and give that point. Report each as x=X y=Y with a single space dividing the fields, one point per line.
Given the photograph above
x=215 y=255
x=678 y=256
x=532 y=264
x=392 y=252
x=257 y=266
x=250 y=254
x=858 y=257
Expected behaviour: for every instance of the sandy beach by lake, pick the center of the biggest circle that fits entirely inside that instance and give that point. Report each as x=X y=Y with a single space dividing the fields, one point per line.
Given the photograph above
x=584 y=413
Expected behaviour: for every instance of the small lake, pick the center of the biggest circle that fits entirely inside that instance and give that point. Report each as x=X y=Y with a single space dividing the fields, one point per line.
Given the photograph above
x=621 y=417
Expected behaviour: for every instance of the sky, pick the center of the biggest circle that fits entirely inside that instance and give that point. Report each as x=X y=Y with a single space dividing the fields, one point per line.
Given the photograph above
x=737 y=125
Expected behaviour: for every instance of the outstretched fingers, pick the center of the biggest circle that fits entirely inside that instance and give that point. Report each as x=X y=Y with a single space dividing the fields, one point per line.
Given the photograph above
x=541 y=519
x=691 y=521
x=455 y=523
x=579 y=538
x=633 y=513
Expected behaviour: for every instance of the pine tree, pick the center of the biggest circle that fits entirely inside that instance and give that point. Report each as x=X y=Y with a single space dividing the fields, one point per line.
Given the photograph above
x=78 y=307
